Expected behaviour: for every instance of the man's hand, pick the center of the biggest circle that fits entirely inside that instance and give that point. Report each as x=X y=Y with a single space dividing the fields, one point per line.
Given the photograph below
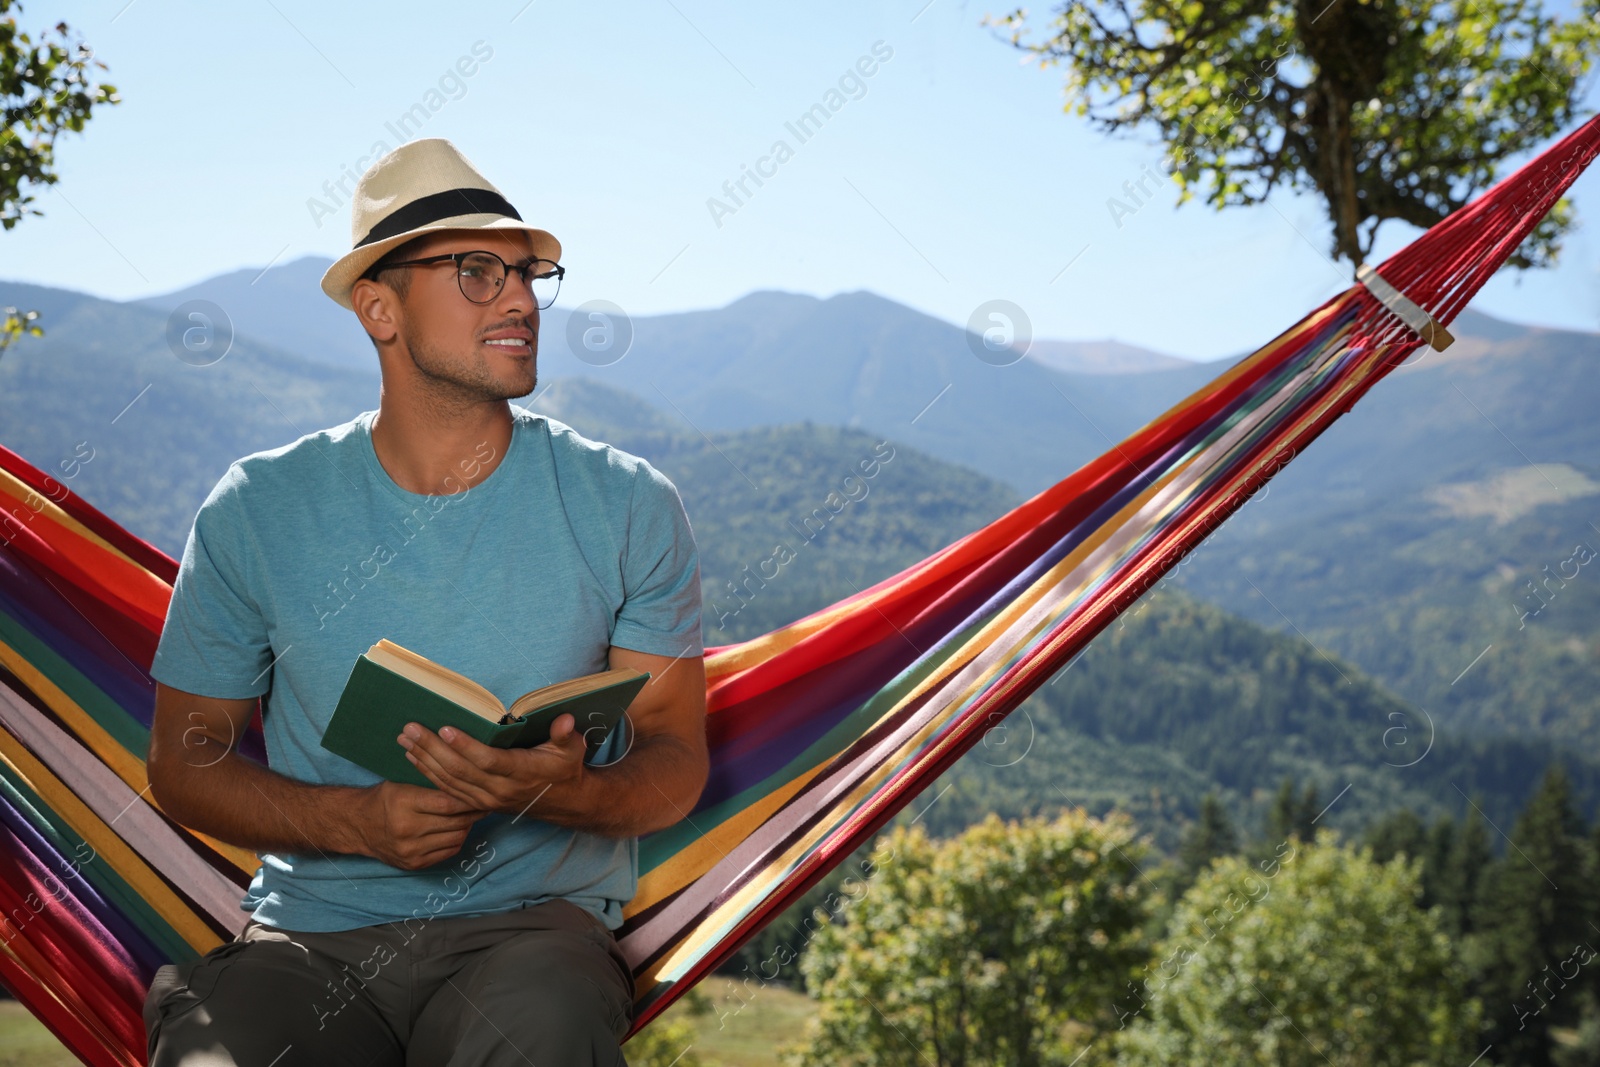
x=653 y=785
x=411 y=827
x=486 y=778
x=198 y=778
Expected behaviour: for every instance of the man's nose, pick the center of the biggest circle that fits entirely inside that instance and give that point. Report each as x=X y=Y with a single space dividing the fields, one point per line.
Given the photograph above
x=517 y=295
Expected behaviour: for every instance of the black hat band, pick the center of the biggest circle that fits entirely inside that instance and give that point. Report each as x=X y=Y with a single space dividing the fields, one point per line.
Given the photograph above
x=436 y=206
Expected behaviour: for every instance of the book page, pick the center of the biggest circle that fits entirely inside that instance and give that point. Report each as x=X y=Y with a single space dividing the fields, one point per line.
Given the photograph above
x=449 y=684
x=554 y=694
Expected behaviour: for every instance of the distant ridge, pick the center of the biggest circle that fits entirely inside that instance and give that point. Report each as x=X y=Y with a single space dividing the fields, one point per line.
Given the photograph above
x=1102 y=357
x=1439 y=536
x=285 y=307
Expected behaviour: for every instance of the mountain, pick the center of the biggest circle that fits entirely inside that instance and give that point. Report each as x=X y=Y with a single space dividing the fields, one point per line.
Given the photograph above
x=1441 y=536
x=859 y=360
x=103 y=403
x=856 y=359
x=1400 y=539
x=285 y=307
x=771 y=357
x=794 y=498
x=1178 y=698
x=1101 y=357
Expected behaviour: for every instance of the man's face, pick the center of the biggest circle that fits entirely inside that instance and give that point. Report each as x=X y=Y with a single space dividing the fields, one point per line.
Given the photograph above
x=449 y=337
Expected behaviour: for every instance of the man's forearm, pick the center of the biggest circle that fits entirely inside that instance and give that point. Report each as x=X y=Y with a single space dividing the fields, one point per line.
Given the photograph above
x=650 y=788
x=239 y=801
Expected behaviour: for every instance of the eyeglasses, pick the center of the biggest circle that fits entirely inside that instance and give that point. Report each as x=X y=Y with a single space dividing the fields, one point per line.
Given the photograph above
x=481 y=275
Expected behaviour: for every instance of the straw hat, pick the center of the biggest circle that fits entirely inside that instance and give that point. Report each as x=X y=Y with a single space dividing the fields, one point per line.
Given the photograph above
x=420 y=187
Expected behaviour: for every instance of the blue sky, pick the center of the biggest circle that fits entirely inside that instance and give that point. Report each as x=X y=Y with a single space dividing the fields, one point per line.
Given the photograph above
x=951 y=177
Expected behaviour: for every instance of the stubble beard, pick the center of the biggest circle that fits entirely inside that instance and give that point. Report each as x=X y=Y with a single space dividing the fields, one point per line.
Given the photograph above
x=452 y=382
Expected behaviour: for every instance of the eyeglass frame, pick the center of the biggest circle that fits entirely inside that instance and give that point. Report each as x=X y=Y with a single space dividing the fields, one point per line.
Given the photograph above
x=522 y=271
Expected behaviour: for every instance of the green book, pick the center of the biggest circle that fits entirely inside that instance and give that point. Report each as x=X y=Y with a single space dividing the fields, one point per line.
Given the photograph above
x=390 y=686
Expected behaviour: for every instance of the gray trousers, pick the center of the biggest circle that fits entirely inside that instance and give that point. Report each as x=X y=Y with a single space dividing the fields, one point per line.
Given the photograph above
x=545 y=985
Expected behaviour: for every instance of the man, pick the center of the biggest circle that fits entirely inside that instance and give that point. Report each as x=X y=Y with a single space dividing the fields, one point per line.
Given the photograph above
x=470 y=923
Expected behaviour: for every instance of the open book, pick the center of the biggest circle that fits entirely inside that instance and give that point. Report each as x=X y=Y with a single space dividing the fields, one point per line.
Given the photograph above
x=390 y=686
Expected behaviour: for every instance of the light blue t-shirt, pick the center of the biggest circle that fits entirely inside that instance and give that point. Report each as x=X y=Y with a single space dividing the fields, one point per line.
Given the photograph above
x=303 y=556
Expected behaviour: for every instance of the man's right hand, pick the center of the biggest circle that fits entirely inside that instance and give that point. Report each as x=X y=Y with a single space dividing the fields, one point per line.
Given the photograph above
x=198 y=779
x=411 y=827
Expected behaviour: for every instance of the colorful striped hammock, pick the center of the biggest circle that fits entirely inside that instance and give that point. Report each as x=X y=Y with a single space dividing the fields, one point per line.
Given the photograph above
x=819 y=732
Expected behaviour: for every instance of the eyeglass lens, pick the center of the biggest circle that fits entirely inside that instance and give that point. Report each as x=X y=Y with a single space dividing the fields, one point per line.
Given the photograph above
x=483 y=275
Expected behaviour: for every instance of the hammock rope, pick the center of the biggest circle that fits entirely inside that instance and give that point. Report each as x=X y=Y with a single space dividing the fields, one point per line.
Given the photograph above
x=819 y=732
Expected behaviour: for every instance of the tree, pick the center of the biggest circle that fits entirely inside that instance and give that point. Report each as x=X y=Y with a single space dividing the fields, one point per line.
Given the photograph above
x=1460 y=870
x=773 y=954
x=668 y=1040
x=1533 y=918
x=15 y=324
x=1291 y=817
x=1319 y=957
x=1210 y=837
x=44 y=90
x=1390 y=109
x=1399 y=833
x=1005 y=945
x=1453 y=861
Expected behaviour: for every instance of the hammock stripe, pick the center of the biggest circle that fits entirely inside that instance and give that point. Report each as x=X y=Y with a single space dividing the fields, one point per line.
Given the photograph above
x=819 y=732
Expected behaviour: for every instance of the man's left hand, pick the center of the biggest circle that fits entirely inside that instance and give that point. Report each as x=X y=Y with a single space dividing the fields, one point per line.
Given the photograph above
x=496 y=779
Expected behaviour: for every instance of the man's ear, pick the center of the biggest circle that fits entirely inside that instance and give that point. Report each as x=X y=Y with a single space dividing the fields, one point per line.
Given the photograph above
x=377 y=307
